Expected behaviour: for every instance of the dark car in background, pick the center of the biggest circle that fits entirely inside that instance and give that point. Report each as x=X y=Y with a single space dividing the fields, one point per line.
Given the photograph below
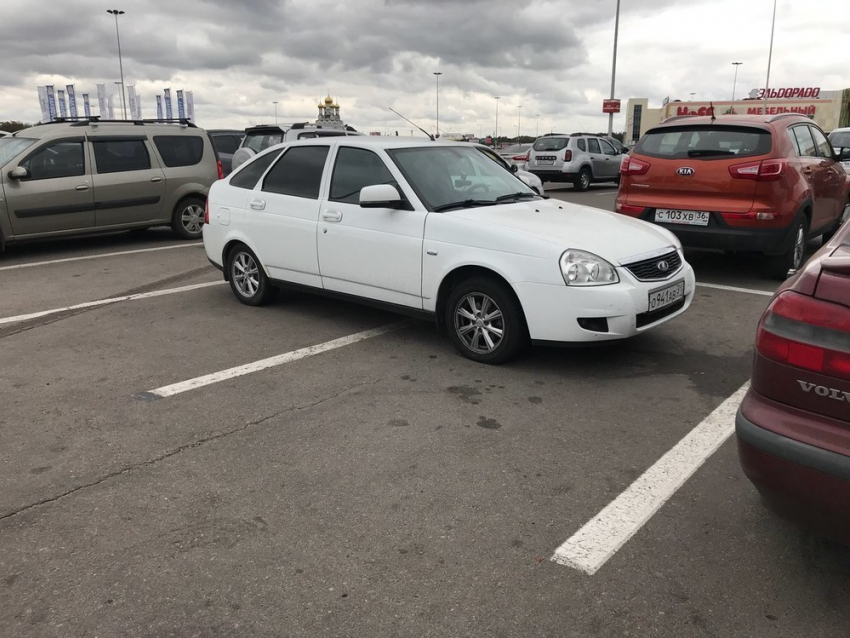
x=226 y=142
x=793 y=426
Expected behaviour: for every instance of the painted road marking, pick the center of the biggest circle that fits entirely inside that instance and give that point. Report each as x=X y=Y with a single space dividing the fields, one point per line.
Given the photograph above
x=590 y=547
x=263 y=364
x=110 y=300
x=751 y=291
x=118 y=254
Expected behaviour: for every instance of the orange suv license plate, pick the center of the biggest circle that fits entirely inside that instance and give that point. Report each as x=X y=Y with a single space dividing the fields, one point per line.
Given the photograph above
x=689 y=217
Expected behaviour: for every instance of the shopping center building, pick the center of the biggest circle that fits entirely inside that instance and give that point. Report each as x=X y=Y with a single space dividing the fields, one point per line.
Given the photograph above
x=829 y=109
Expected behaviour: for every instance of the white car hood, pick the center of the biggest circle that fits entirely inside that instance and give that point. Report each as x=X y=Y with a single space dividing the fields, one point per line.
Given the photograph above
x=608 y=235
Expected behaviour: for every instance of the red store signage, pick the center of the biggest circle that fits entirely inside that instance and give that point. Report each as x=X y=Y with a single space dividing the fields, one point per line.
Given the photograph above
x=610 y=106
x=790 y=93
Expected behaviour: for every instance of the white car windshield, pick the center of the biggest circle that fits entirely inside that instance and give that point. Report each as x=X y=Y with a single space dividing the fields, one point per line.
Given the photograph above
x=840 y=139
x=11 y=146
x=456 y=177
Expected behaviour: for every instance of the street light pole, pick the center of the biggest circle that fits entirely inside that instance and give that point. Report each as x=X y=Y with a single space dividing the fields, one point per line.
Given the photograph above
x=614 y=67
x=518 y=120
x=496 y=143
x=537 y=128
x=438 y=74
x=769 y=58
x=692 y=96
x=275 y=112
x=116 y=13
x=735 y=81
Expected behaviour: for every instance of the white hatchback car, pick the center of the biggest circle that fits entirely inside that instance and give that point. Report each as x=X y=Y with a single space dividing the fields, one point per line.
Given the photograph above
x=438 y=230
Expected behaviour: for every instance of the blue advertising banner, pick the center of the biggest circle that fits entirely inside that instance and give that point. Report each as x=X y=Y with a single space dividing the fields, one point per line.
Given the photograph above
x=86 y=105
x=159 y=107
x=63 y=110
x=72 y=100
x=181 y=110
x=51 y=102
x=168 y=112
x=42 y=102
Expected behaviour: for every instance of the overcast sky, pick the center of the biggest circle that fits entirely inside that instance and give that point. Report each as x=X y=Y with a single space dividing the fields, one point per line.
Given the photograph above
x=553 y=57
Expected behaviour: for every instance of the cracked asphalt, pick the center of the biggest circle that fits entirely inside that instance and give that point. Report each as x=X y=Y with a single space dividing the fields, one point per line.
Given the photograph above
x=385 y=488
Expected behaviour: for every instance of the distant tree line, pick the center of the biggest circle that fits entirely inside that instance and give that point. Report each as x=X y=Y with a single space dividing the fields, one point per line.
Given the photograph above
x=10 y=126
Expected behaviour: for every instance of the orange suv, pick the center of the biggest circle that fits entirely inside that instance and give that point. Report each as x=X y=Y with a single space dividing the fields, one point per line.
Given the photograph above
x=738 y=183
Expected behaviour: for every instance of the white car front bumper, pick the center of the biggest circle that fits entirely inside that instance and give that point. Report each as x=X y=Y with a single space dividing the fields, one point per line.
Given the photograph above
x=552 y=311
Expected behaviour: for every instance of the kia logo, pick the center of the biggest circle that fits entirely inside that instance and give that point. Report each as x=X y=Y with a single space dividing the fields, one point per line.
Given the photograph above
x=685 y=171
x=662 y=266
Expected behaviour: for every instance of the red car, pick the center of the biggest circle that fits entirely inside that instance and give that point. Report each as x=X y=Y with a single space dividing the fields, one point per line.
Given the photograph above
x=738 y=183
x=793 y=426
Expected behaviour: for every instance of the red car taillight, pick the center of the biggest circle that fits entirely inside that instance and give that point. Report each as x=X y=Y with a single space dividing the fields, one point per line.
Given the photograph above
x=220 y=169
x=632 y=166
x=568 y=156
x=763 y=171
x=520 y=158
x=806 y=333
x=207 y=212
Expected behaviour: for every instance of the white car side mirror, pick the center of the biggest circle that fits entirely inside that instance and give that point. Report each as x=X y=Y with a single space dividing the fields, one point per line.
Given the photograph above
x=380 y=196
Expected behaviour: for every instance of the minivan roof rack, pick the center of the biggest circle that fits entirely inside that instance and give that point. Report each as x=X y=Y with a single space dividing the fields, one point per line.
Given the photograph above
x=95 y=119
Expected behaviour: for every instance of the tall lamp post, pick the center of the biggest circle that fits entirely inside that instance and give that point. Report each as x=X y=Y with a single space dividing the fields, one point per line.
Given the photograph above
x=275 y=112
x=496 y=143
x=735 y=81
x=614 y=68
x=537 y=128
x=438 y=74
x=769 y=58
x=116 y=13
x=518 y=120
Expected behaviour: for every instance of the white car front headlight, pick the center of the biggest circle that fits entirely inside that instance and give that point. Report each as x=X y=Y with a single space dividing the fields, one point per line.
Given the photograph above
x=581 y=268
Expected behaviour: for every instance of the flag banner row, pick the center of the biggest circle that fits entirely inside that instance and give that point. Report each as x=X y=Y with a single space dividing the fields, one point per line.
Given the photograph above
x=62 y=103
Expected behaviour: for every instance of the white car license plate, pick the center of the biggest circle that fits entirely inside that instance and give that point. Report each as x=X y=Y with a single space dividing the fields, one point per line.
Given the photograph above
x=689 y=217
x=662 y=297
x=545 y=162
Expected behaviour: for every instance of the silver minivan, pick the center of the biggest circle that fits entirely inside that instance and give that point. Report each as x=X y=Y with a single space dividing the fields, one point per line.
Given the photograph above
x=69 y=178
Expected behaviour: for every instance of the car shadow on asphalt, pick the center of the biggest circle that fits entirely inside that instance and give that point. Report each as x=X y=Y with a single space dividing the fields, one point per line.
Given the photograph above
x=68 y=247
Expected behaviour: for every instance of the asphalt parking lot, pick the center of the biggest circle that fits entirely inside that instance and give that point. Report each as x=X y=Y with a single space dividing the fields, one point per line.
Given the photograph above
x=382 y=486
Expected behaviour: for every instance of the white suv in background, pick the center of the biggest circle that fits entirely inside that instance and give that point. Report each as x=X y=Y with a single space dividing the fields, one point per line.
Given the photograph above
x=259 y=138
x=578 y=158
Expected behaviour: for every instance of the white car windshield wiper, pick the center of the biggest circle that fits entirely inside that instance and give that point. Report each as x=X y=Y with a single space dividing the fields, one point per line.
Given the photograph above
x=504 y=198
x=466 y=203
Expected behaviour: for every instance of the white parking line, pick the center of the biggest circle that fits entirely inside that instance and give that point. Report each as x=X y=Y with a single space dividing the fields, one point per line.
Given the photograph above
x=118 y=254
x=750 y=291
x=263 y=364
x=106 y=302
x=590 y=547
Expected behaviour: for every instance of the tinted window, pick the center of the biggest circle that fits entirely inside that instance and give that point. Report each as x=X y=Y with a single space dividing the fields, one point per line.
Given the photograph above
x=298 y=172
x=793 y=138
x=593 y=146
x=607 y=148
x=824 y=147
x=805 y=142
x=550 y=143
x=840 y=139
x=494 y=156
x=259 y=142
x=704 y=142
x=11 y=146
x=354 y=169
x=249 y=174
x=179 y=150
x=119 y=156
x=62 y=159
x=330 y=133
x=582 y=146
x=225 y=143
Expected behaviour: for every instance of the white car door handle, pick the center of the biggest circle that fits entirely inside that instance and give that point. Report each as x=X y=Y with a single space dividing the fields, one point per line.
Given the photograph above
x=82 y=187
x=257 y=204
x=332 y=216
x=156 y=179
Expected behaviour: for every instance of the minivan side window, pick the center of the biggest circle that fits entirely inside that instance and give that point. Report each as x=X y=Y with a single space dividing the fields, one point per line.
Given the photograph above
x=248 y=176
x=298 y=172
x=582 y=146
x=804 y=141
x=179 y=150
x=607 y=148
x=119 y=156
x=824 y=147
x=354 y=169
x=60 y=159
x=593 y=146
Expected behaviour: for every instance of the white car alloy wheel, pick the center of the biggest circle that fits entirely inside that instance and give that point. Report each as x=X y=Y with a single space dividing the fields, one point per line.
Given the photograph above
x=479 y=323
x=247 y=278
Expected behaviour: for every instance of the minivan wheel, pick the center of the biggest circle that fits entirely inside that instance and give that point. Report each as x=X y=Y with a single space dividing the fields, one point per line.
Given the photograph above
x=187 y=220
x=485 y=321
x=582 y=182
x=792 y=259
x=247 y=279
